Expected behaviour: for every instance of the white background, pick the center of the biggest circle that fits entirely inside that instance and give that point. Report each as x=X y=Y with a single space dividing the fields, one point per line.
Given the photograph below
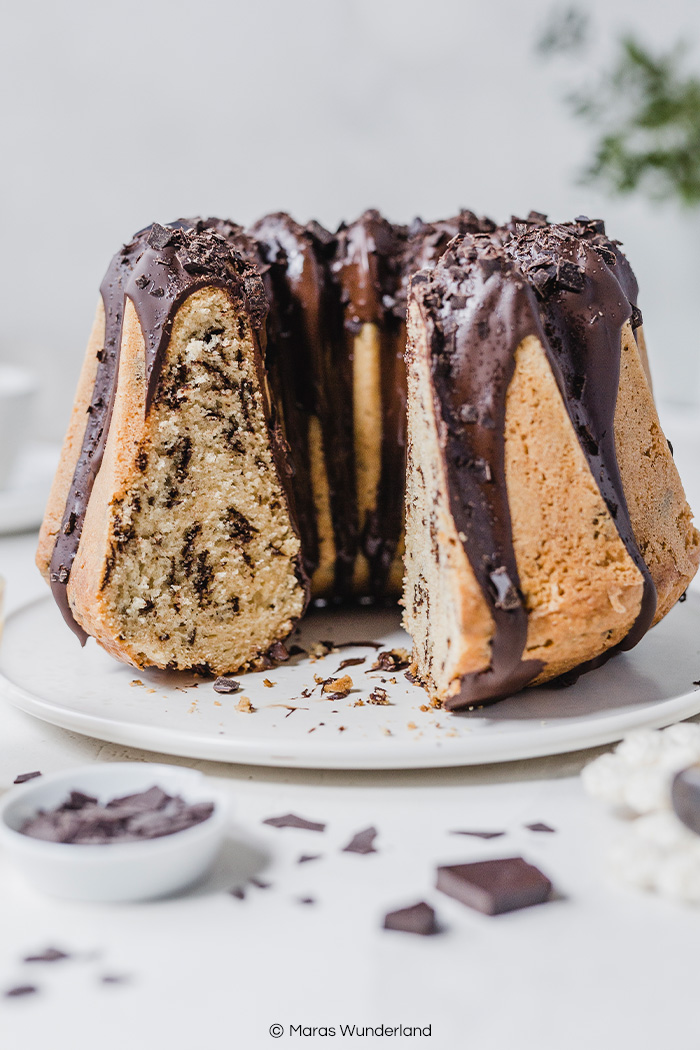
x=118 y=114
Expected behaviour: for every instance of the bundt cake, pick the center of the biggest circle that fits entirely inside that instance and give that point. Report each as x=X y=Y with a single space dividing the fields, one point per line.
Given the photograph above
x=238 y=446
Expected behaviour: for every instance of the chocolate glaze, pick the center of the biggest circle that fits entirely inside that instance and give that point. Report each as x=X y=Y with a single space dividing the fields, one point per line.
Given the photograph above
x=315 y=374
x=157 y=270
x=564 y=286
x=367 y=268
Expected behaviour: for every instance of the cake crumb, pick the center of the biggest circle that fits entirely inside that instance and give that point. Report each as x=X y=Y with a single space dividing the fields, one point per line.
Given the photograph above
x=136 y=681
x=411 y=725
x=378 y=696
x=245 y=706
x=268 y=684
x=338 y=687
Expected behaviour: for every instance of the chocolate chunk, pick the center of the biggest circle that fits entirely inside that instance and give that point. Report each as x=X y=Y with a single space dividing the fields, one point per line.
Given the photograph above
x=20 y=989
x=539 y=826
x=226 y=685
x=78 y=800
x=307 y=857
x=419 y=918
x=278 y=651
x=495 y=886
x=22 y=778
x=289 y=820
x=49 y=955
x=362 y=842
x=161 y=236
x=480 y=834
x=685 y=797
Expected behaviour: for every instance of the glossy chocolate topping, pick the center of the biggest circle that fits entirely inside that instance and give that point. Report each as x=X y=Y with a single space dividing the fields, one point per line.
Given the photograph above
x=315 y=377
x=558 y=284
x=157 y=270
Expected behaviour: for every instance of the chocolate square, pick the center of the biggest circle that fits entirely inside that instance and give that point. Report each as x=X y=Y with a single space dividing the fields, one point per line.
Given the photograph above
x=495 y=886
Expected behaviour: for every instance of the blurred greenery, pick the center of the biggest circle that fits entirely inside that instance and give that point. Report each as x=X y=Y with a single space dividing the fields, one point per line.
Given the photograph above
x=645 y=109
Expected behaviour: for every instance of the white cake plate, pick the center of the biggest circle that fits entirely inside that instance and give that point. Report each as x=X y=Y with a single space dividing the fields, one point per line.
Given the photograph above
x=44 y=671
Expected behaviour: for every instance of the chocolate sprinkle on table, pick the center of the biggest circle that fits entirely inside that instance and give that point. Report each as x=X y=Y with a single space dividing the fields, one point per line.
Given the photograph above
x=238 y=892
x=307 y=900
x=308 y=856
x=362 y=842
x=289 y=820
x=50 y=955
x=419 y=918
x=24 y=777
x=20 y=989
x=260 y=884
x=539 y=826
x=480 y=834
x=495 y=886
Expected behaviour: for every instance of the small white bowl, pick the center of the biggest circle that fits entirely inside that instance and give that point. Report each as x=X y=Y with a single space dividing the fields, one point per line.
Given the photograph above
x=126 y=871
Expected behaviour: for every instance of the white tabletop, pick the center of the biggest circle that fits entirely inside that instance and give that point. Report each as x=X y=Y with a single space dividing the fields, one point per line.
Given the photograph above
x=601 y=966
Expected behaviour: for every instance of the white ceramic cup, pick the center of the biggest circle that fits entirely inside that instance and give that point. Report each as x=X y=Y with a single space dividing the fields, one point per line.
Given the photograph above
x=18 y=388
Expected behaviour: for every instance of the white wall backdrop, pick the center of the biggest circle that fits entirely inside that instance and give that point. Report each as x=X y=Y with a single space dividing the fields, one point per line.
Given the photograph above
x=115 y=115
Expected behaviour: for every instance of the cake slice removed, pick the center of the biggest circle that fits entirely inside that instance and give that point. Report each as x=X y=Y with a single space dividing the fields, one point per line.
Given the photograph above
x=546 y=524
x=170 y=533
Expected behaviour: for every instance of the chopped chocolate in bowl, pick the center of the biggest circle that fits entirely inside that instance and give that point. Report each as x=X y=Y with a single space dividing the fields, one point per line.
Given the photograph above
x=82 y=820
x=136 y=808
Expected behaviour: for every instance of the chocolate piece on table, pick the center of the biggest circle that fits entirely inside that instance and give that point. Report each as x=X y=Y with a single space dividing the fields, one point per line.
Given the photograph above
x=495 y=886
x=289 y=820
x=308 y=856
x=419 y=918
x=226 y=685
x=50 y=955
x=480 y=834
x=238 y=892
x=260 y=883
x=20 y=989
x=307 y=900
x=685 y=797
x=362 y=842
x=539 y=826
x=22 y=778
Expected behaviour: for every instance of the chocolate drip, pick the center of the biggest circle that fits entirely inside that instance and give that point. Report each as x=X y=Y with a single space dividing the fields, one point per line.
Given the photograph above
x=316 y=371
x=477 y=310
x=367 y=267
x=583 y=284
x=157 y=270
x=562 y=286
